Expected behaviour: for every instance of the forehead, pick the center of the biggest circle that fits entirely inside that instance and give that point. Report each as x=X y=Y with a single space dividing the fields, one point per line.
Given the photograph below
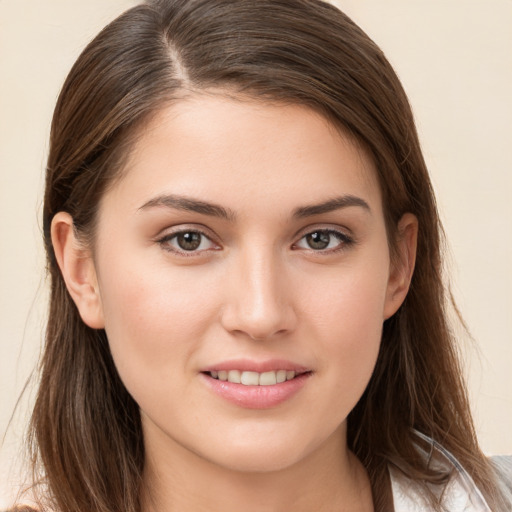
x=211 y=144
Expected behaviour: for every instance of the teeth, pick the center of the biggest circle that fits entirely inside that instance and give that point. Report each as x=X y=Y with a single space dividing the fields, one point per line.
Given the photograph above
x=280 y=376
x=268 y=378
x=234 y=376
x=250 y=378
x=254 y=378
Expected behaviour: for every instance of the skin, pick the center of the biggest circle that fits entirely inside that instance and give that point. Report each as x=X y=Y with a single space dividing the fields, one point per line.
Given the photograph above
x=254 y=289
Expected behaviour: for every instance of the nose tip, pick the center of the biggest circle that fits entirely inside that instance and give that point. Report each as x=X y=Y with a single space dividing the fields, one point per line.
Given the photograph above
x=259 y=318
x=261 y=323
x=259 y=305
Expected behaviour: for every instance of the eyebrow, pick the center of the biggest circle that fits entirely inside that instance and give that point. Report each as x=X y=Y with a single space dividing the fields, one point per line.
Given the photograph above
x=190 y=205
x=329 y=206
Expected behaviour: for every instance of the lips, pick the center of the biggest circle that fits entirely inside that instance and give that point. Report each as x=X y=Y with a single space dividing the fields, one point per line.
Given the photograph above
x=256 y=385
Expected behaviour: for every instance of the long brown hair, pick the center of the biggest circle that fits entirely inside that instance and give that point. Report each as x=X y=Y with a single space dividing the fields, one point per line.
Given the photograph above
x=86 y=435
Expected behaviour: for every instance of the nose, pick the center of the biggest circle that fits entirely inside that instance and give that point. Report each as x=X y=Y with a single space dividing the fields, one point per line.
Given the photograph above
x=259 y=301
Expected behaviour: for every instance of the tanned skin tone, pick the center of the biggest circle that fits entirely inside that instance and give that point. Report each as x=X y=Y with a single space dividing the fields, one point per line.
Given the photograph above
x=243 y=236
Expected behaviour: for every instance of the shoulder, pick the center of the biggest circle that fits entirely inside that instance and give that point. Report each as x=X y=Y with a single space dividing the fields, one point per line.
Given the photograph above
x=21 y=508
x=458 y=494
x=502 y=465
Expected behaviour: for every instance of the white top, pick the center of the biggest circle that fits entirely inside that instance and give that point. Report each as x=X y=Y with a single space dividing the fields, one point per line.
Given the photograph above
x=460 y=494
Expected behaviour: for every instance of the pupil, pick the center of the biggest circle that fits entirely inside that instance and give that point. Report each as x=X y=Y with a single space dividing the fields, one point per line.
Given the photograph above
x=189 y=241
x=318 y=240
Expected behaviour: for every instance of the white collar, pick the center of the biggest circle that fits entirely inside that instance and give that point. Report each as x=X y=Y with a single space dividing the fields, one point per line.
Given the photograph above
x=459 y=494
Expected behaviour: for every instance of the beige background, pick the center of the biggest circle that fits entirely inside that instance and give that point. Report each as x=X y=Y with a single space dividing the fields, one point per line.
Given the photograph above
x=455 y=60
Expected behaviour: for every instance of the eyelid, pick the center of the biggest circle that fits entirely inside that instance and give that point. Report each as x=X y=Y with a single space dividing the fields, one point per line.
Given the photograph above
x=345 y=237
x=336 y=228
x=168 y=234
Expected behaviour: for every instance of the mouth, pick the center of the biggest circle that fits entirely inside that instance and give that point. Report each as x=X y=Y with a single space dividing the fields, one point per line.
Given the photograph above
x=256 y=384
x=251 y=378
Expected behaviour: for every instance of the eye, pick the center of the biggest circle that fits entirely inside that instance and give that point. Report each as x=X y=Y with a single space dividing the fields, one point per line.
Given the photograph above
x=324 y=240
x=189 y=241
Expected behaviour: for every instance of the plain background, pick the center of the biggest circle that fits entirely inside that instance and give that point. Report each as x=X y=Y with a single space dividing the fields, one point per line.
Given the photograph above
x=455 y=60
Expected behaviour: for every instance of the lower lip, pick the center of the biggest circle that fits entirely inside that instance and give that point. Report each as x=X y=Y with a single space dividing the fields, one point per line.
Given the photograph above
x=256 y=397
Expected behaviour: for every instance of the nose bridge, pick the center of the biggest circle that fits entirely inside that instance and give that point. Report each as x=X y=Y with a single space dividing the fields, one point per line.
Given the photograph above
x=259 y=303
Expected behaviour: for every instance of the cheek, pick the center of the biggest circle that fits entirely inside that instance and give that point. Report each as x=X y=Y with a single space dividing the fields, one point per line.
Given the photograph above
x=347 y=320
x=154 y=318
x=350 y=304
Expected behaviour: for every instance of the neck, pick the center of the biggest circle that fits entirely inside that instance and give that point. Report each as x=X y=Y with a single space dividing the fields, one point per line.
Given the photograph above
x=331 y=478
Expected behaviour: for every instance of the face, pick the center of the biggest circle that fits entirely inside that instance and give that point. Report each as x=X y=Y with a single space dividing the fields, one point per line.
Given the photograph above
x=244 y=242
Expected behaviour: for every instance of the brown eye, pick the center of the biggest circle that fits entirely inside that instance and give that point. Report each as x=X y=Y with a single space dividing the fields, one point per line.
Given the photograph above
x=189 y=241
x=318 y=240
x=326 y=240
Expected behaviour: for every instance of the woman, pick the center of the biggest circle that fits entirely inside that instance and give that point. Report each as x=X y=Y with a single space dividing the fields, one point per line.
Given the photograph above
x=246 y=305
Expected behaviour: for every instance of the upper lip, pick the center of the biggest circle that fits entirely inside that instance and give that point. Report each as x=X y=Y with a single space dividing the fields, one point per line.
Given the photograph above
x=247 y=365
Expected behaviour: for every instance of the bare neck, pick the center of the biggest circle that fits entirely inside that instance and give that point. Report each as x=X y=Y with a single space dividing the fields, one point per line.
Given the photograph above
x=326 y=480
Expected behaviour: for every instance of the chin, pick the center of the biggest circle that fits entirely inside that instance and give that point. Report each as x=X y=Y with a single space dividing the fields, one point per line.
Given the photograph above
x=259 y=461
x=263 y=455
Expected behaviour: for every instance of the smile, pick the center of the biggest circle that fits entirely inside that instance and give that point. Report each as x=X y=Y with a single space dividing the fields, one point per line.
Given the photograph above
x=248 y=378
x=255 y=384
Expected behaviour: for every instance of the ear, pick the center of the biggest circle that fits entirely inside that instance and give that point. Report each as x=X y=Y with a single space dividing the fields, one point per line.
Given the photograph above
x=77 y=267
x=401 y=270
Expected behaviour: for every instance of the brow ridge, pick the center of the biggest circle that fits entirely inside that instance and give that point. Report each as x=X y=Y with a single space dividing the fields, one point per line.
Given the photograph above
x=331 y=205
x=185 y=203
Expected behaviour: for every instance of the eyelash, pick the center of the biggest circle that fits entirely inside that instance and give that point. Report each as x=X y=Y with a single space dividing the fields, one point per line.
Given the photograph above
x=345 y=241
x=165 y=242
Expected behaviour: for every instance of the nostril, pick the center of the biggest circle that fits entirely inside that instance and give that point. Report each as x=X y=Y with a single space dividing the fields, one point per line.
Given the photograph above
x=257 y=301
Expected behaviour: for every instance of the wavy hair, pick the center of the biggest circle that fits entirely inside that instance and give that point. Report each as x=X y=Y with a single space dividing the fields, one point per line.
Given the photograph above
x=85 y=433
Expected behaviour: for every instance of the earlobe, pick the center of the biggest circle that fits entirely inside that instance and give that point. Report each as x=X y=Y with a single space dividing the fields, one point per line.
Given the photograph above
x=77 y=267
x=402 y=269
